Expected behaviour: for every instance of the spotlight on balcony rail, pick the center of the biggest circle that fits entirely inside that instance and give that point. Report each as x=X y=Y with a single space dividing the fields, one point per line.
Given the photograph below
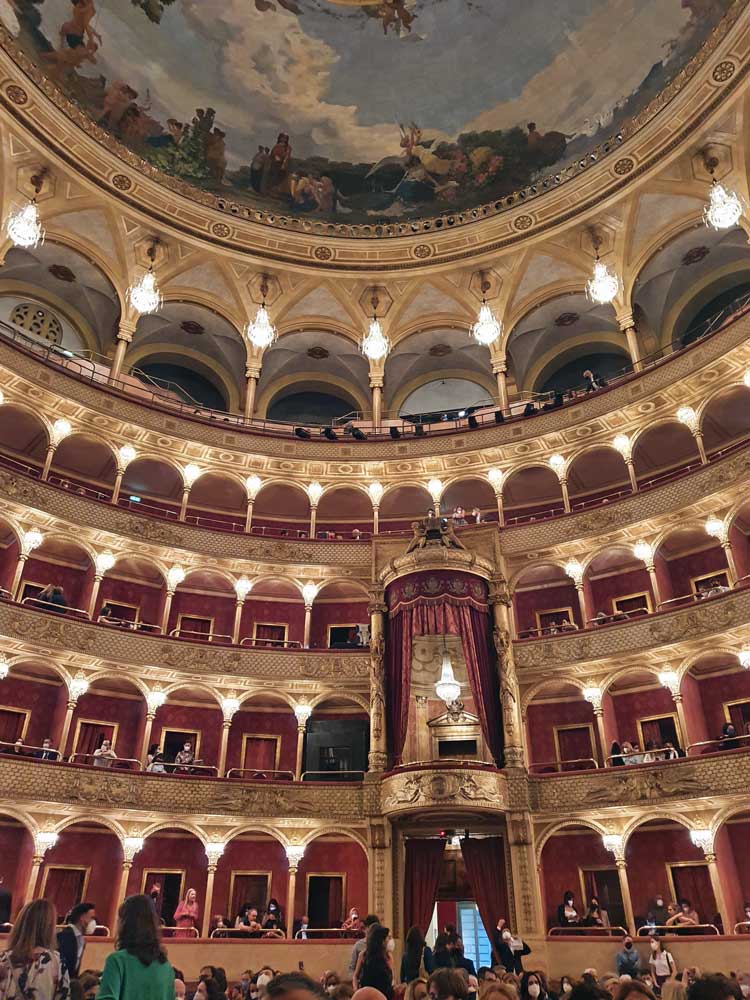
x=302 y=432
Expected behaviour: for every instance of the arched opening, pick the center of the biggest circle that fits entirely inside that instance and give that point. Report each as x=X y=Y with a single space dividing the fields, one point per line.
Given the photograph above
x=217 y=501
x=153 y=487
x=203 y=608
x=452 y=397
x=574 y=860
x=282 y=511
x=663 y=862
x=273 y=616
x=662 y=451
x=16 y=853
x=469 y=495
x=110 y=716
x=565 y=374
x=331 y=879
x=344 y=513
x=641 y=715
x=131 y=595
x=532 y=494
x=716 y=695
x=730 y=844
x=82 y=867
x=339 y=617
x=336 y=741
x=725 y=422
x=67 y=568
x=82 y=463
x=544 y=600
x=401 y=505
x=561 y=731
x=617 y=587
x=171 y=862
x=252 y=870
x=189 y=721
x=23 y=439
x=311 y=402
x=690 y=565
x=597 y=476
x=263 y=740
x=34 y=698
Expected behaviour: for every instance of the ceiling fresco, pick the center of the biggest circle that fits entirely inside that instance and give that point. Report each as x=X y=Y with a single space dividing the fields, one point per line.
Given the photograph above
x=356 y=110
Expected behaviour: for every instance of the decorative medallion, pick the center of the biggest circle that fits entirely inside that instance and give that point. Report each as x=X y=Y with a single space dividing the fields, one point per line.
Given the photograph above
x=695 y=255
x=192 y=327
x=322 y=253
x=523 y=222
x=724 y=71
x=318 y=353
x=61 y=272
x=16 y=94
x=122 y=182
x=422 y=251
x=624 y=166
x=440 y=350
x=221 y=230
x=567 y=319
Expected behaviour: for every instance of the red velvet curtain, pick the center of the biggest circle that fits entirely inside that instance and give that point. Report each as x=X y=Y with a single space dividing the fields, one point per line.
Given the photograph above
x=424 y=859
x=485 y=867
x=63 y=888
x=91 y=735
x=335 y=901
x=693 y=882
x=11 y=724
x=448 y=617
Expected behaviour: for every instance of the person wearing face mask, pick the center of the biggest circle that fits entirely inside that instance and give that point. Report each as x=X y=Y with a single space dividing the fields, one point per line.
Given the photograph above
x=744 y=927
x=183 y=758
x=353 y=922
x=509 y=949
x=628 y=961
x=743 y=978
x=661 y=962
x=567 y=914
x=71 y=939
x=659 y=911
x=566 y=985
x=273 y=918
x=534 y=987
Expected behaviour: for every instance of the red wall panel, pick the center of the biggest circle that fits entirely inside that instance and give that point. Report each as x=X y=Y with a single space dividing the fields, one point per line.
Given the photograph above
x=251 y=853
x=562 y=857
x=42 y=699
x=75 y=582
x=738 y=837
x=684 y=568
x=148 y=599
x=542 y=718
x=221 y=609
x=16 y=850
x=323 y=615
x=167 y=850
x=207 y=721
x=8 y=563
x=715 y=691
x=98 y=849
x=606 y=589
x=291 y=613
x=334 y=856
x=647 y=853
x=635 y=705
x=694 y=715
x=282 y=723
x=128 y=712
x=527 y=602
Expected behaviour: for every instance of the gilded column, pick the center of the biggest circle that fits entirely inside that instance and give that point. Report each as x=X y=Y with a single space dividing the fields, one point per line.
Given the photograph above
x=124 y=337
x=252 y=374
x=500 y=601
x=378 y=755
x=380 y=871
x=500 y=370
x=627 y=326
x=526 y=884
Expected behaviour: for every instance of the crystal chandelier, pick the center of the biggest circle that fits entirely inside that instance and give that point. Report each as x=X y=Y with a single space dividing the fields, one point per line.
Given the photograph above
x=144 y=295
x=447 y=688
x=261 y=332
x=487 y=328
x=603 y=286
x=724 y=208
x=375 y=345
x=24 y=228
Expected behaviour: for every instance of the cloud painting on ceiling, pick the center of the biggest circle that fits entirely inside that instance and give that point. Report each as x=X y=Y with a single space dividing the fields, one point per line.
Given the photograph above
x=361 y=110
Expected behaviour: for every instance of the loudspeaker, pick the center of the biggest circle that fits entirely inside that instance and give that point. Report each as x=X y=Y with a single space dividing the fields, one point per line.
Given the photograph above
x=499 y=418
x=473 y=422
x=302 y=432
x=328 y=432
x=359 y=435
x=395 y=433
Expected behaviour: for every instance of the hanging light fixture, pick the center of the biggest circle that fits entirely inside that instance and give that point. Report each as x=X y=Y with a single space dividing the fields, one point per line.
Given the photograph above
x=24 y=228
x=261 y=332
x=375 y=345
x=487 y=328
x=144 y=295
x=724 y=208
x=603 y=285
x=447 y=687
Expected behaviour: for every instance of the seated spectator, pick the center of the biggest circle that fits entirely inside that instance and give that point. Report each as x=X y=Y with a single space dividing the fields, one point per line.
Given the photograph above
x=353 y=921
x=670 y=751
x=714 y=987
x=627 y=960
x=529 y=410
x=47 y=751
x=553 y=628
x=106 y=613
x=356 y=534
x=568 y=626
x=273 y=918
x=651 y=754
x=54 y=599
x=104 y=756
x=716 y=587
x=595 y=915
x=534 y=986
x=615 y=755
x=459 y=517
x=685 y=916
x=591 y=381
x=629 y=754
x=729 y=739
x=155 y=759
x=183 y=758
x=18 y=749
x=567 y=914
x=447 y=984
x=600 y=618
x=477 y=515
x=744 y=927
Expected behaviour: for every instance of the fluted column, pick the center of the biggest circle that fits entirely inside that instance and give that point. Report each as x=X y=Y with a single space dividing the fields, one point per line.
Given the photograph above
x=377 y=403
x=124 y=337
x=500 y=601
x=704 y=840
x=222 y=763
x=167 y=608
x=594 y=697
x=294 y=853
x=252 y=374
x=627 y=326
x=500 y=371
x=209 y=901
x=121 y=893
x=526 y=877
x=378 y=755
x=146 y=741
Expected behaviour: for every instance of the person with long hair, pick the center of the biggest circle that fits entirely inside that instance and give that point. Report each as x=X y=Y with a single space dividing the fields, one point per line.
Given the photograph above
x=31 y=969
x=375 y=965
x=138 y=969
x=187 y=914
x=417 y=960
x=534 y=987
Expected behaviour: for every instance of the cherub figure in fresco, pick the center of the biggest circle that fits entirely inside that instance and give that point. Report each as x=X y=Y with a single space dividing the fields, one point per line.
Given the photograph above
x=79 y=41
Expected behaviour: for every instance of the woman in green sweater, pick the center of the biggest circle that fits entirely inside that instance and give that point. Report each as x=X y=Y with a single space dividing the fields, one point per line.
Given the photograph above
x=139 y=969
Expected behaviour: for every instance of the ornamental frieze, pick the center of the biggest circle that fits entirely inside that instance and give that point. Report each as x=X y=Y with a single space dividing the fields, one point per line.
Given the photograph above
x=35 y=782
x=626 y=638
x=427 y=789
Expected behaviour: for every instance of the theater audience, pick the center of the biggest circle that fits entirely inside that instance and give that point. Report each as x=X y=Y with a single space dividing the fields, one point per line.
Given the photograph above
x=595 y=916
x=685 y=916
x=567 y=914
x=627 y=961
x=139 y=967
x=353 y=922
x=30 y=967
x=71 y=940
x=104 y=755
x=53 y=598
x=661 y=961
x=187 y=914
x=729 y=739
x=534 y=987
x=417 y=961
x=359 y=947
x=47 y=751
x=509 y=949
x=375 y=965
x=273 y=918
x=183 y=758
x=155 y=759
x=447 y=984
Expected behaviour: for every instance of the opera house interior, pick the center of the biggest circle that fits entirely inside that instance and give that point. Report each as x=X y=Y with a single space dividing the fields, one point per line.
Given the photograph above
x=374 y=535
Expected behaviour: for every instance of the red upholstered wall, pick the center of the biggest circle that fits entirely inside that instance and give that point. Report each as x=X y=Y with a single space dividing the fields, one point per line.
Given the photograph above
x=282 y=723
x=715 y=691
x=205 y=720
x=542 y=718
x=729 y=875
x=291 y=613
x=661 y=567
x=171 y=851
x=148 y=599
x=684 y=568
x=251 y=853
x=527 y=602
x=694 y=714
x=640 y=705
x=128 y=712
x=447 y=913
x=605 y=589
x=647 y=854
x=40 y=698
x=74 y=582
x=16 y=850
x=334 y=856
x=741 y=549
x=98 y=849
x=738 y=838
x=562 y=856
x=8 y=563
x=343 y=613
x=221 y=609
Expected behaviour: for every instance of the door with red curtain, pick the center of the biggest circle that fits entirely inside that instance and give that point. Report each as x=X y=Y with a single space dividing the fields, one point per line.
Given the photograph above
x=692 y=881
x=64 y=887
x=574 y=743
x=90 y=736
x=11 y=725
x=248 y=887
x=270 y=635
x=260 y=753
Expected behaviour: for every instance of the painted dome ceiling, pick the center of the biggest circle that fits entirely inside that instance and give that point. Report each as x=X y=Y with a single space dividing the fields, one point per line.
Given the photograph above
x=362 y=110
